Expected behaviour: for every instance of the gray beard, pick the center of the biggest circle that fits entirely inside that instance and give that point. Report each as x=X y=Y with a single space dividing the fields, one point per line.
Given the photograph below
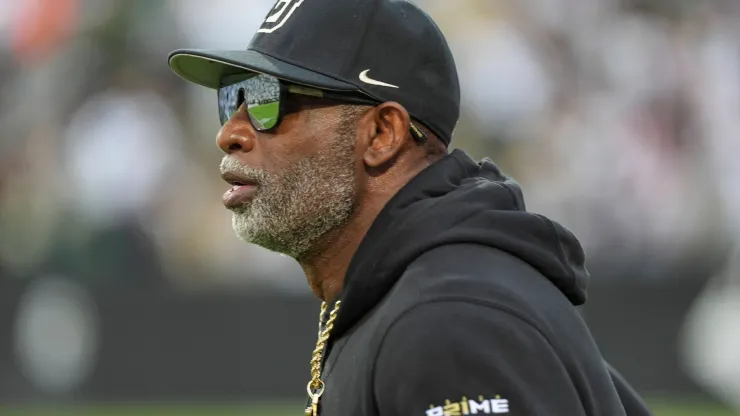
x=294 y=208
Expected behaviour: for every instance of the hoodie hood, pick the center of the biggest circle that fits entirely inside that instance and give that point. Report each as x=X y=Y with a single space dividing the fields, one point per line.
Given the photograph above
x=457 y=200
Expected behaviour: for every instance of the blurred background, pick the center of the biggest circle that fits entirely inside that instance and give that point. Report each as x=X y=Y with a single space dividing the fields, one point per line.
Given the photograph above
x=124 y=291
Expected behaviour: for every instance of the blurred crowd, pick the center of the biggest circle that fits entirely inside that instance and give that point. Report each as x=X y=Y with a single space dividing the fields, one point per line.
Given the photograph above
x=620 y=118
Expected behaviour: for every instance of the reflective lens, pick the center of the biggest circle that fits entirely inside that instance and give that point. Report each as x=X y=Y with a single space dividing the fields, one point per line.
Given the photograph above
x=261 y=96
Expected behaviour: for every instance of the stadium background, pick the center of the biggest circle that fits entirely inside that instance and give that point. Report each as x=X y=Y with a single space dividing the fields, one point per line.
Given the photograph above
x=123 y=290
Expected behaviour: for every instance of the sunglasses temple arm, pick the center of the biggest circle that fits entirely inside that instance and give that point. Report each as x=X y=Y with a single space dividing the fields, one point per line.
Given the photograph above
x=416 y=133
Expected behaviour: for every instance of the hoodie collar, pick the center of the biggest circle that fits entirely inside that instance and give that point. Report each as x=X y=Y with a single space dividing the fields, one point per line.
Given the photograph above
x=457 y=200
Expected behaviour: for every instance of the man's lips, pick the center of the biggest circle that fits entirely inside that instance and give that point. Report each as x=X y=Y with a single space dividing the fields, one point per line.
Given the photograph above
x=242 y=190
x=239 y=195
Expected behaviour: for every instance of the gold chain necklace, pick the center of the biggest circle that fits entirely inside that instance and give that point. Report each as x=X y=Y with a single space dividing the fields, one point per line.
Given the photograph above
x=315 y=387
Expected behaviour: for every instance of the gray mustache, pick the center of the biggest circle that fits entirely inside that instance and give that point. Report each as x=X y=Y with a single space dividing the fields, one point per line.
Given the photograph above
x=232 y=165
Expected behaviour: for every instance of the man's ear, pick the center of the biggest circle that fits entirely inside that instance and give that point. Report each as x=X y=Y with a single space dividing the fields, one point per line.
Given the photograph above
x=391 y=123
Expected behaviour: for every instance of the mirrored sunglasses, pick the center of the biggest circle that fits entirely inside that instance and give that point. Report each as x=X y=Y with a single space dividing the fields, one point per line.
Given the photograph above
x=264 y=96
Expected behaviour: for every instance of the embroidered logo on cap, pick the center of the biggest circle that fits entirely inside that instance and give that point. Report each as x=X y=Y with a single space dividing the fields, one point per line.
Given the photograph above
x=280 y=13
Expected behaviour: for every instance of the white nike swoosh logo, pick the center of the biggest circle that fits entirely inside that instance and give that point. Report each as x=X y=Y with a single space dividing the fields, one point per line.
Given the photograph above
x=364 y=78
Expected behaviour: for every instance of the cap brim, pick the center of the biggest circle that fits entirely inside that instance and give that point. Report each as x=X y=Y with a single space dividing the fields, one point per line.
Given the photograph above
x=208 y=67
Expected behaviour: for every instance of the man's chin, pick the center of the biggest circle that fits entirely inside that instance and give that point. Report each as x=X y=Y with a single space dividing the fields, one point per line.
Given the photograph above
x=243 y=227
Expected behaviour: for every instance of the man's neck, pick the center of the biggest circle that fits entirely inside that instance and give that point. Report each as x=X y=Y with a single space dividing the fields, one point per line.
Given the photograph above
x=326 y=268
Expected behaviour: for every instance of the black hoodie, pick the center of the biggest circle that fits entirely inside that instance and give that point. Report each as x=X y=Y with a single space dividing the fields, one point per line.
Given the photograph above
x=459 y=301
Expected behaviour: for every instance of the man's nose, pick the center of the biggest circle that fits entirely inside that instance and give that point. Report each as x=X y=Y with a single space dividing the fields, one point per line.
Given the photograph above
x=236 y=136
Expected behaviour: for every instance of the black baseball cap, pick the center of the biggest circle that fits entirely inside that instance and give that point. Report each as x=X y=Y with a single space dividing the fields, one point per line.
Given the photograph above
x=389 y=50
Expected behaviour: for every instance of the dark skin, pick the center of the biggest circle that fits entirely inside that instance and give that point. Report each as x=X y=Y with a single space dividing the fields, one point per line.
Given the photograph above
x=386 y=159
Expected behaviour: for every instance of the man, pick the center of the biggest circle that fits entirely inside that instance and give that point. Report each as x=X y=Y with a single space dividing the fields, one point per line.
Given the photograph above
x=442 y=295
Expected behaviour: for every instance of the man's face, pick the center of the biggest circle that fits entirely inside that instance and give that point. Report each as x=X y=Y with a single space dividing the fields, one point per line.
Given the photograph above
x=303 y=176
